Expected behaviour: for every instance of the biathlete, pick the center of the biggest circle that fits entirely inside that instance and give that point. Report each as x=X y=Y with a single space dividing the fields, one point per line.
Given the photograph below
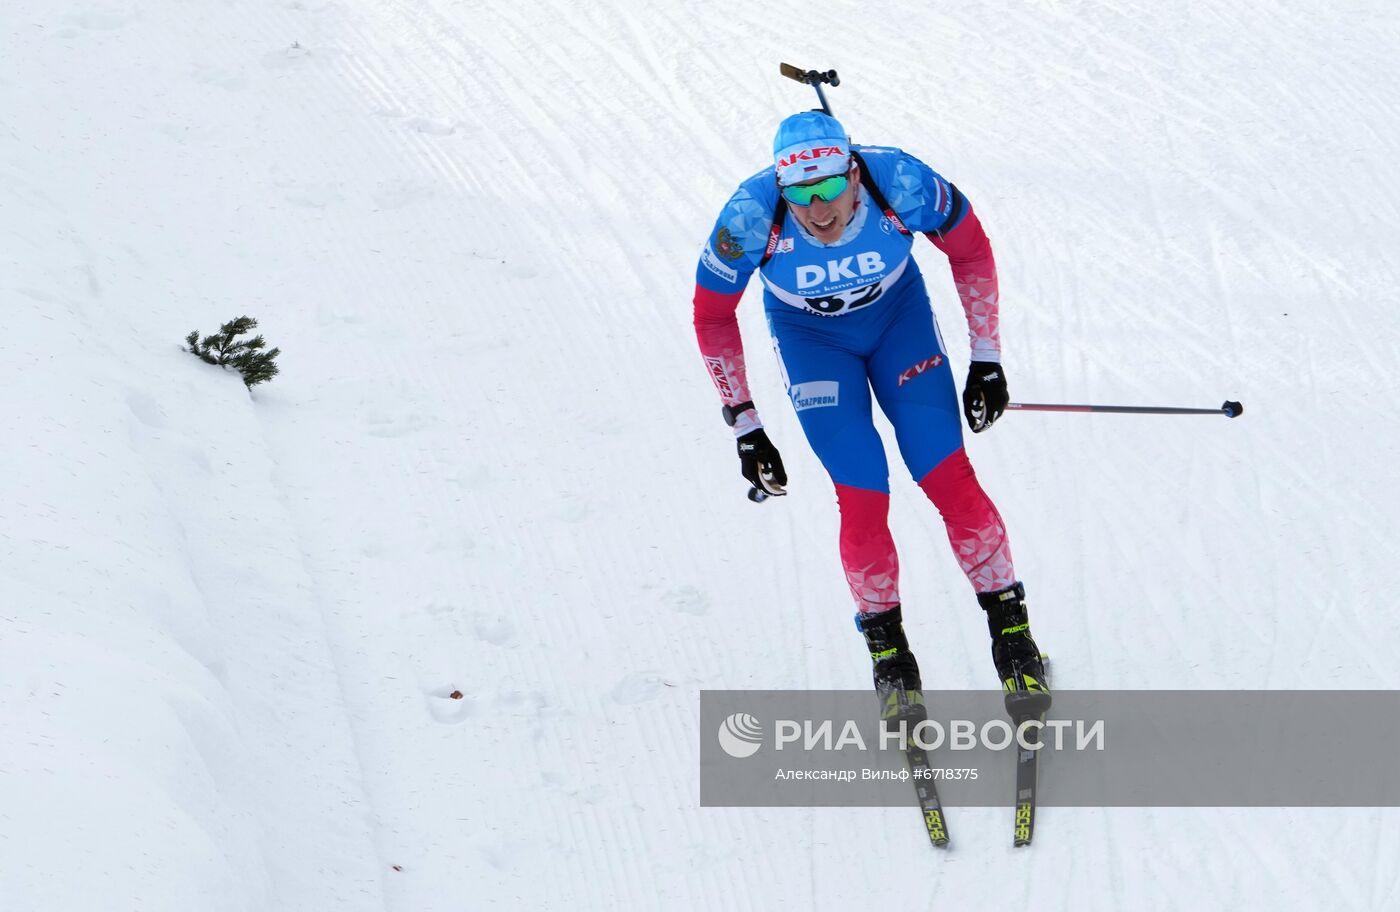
x=829 y=227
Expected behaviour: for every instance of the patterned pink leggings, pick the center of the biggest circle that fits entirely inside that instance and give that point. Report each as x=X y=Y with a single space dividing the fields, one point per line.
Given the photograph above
x=975 y=530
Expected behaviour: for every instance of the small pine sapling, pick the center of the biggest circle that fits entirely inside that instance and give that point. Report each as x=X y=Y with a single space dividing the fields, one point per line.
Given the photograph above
x=246 y=356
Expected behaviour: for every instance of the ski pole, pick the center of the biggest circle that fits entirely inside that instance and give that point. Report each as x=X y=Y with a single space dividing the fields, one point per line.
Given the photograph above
x=1228 y=409
x=813 y=78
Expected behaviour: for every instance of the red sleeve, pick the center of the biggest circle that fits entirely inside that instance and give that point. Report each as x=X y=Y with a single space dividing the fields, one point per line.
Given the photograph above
x=717 y=331
x=975 y=276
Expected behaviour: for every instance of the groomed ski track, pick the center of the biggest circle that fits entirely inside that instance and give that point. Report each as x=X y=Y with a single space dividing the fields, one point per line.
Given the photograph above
x=493 y=462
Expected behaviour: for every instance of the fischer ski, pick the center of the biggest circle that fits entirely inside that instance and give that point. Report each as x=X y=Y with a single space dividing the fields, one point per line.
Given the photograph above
x=1027 y=772
x=1027 y=778
x=929 y=803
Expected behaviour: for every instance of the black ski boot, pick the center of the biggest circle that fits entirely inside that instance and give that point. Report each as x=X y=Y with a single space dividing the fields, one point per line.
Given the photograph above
x=897 y=683
x=1018 y=661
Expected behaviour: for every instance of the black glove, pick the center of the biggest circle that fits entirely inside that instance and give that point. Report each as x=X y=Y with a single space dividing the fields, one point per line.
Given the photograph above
x=985 y=396
x=762 y=465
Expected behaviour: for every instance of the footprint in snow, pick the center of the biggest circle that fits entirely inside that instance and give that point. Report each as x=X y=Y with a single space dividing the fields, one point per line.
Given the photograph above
x=472 y=478
x=639 y=687
x=295 y=55
x=688 y=600
x=575 y=509
x=395 y=425
x=532 y=705
x=34 y=294
x=431 y=127
x=224 y=79
x=146 y=409
x=103 y=20
x=492 y=629
x=449 y=705
x=502 y=857
x=311 y=196
x=399 y=193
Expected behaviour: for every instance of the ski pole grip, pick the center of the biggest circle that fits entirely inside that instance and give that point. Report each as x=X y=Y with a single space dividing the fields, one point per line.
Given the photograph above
x=1232 y=409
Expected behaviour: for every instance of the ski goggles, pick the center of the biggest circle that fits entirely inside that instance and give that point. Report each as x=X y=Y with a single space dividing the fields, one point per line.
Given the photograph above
x=824 y=190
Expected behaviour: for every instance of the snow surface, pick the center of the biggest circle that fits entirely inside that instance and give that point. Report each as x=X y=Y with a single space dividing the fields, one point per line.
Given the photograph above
x=231 y=623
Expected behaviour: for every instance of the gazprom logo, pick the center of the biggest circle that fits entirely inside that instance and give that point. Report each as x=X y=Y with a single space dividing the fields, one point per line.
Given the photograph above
x=741 y=735
x=713 y=264
x=815 y=394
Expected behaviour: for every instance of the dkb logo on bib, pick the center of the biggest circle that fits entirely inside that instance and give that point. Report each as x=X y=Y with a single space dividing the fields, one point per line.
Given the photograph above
x=840 y=271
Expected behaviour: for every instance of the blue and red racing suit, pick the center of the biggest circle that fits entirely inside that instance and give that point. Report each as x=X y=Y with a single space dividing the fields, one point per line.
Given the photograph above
x=854 y=316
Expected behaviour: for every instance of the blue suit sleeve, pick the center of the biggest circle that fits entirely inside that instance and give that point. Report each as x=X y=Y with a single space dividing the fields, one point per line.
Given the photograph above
x=922 y=198
x=736 y=243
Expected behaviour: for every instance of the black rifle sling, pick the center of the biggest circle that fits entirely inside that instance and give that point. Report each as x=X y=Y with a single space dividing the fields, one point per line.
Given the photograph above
x=775 y=231
x=880 y=202
x=955 y=210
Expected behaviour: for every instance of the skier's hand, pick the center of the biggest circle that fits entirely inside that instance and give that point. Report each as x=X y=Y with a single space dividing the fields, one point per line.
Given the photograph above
x=762 y=465
x=985 y=396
